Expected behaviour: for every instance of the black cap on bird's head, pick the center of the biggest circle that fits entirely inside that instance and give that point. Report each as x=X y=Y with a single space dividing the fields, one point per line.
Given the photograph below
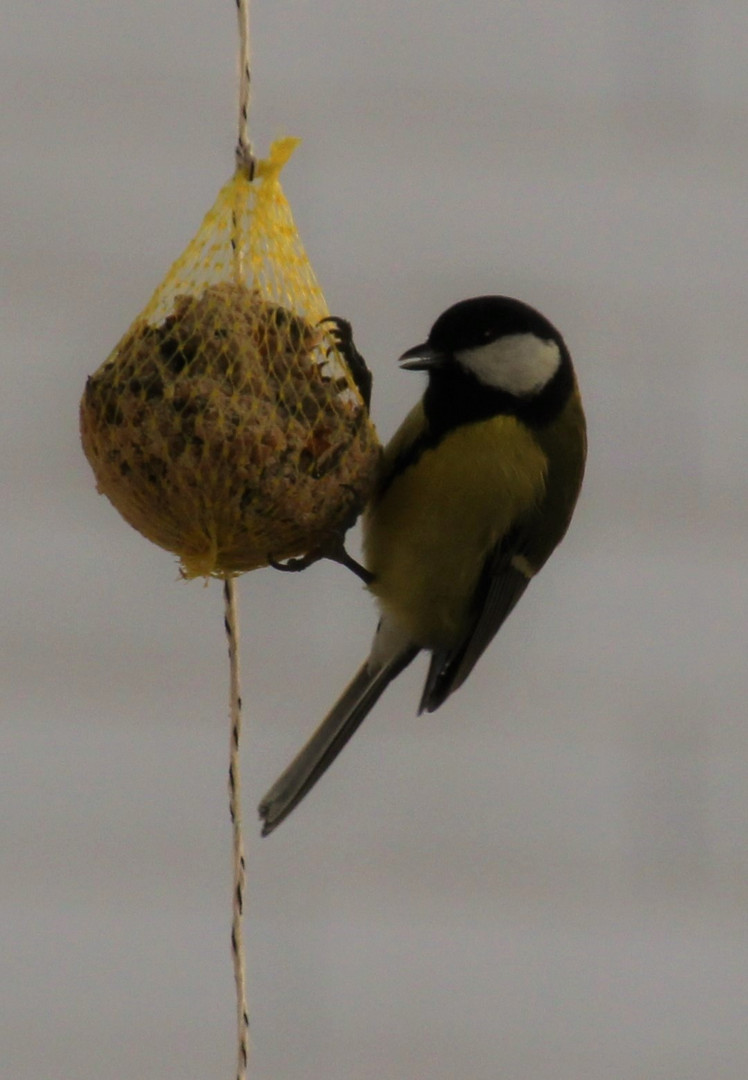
x=495 y=345
x=472 y=324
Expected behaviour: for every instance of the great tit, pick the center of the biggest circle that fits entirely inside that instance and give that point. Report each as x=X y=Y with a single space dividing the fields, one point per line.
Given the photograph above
x=476 y=489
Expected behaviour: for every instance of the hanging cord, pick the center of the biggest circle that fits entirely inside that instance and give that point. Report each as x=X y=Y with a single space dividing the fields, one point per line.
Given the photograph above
x=245 y=163
x=231 y=622
x=244 y=157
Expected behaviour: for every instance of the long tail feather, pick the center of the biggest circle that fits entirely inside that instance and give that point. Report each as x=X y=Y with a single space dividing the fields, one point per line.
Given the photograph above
x=342 y=722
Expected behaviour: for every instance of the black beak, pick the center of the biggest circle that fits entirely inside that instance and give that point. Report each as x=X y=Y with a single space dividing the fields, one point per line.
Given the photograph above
x=422 y=358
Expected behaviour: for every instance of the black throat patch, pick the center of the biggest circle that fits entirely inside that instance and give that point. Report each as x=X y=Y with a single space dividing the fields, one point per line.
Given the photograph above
x=454 y=397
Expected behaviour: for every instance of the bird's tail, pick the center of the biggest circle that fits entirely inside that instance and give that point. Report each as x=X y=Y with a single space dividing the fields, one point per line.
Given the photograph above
x=343 y=720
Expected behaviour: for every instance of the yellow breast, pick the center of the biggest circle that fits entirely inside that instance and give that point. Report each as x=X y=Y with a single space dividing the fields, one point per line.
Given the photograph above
x=427 y=537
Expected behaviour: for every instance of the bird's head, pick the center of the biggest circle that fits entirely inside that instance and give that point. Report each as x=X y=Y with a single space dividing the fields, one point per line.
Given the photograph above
x=501 y=343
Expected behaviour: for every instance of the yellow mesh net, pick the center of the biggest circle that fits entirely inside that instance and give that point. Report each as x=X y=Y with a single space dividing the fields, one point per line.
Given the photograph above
x=225 y=426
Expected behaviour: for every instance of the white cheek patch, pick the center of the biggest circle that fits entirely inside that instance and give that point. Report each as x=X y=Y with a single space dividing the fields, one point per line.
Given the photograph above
x=521 y=364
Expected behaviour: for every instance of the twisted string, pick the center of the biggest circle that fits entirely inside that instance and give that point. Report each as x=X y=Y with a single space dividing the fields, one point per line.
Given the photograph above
x=244 y=157
x=231 y=623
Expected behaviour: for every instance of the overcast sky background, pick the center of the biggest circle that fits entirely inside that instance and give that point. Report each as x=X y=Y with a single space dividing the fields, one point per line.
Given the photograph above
x=548 y=878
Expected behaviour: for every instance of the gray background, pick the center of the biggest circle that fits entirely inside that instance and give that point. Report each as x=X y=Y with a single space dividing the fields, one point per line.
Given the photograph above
x=549 y=877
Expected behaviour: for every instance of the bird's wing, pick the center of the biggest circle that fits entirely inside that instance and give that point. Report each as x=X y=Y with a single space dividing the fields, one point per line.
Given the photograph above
x=343 y=720
x=504 y=578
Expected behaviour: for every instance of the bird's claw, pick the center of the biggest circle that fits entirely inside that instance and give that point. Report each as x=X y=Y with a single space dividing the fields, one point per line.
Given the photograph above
x=294 y=566
x=340 y=333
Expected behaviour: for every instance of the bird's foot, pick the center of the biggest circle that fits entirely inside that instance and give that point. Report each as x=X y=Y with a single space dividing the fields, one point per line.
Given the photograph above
x=341 y=333
x=333 y=550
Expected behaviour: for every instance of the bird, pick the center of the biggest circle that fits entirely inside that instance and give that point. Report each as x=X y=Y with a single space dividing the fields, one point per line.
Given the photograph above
x=474 y=492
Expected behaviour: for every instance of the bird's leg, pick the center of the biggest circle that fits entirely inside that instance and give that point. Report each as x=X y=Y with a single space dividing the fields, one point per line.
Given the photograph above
x=337 y=553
